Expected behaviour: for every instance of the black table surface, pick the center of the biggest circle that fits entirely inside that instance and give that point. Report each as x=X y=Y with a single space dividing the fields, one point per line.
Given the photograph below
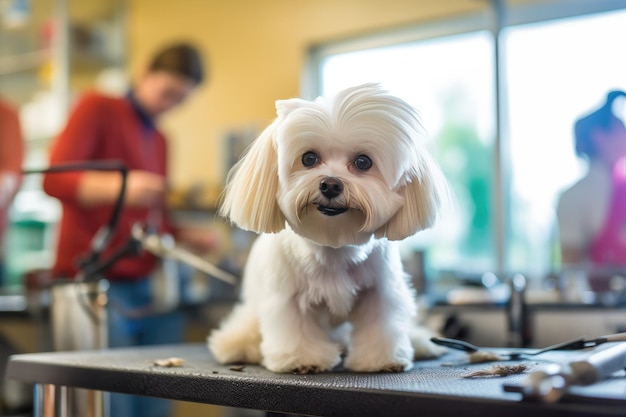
x=432 y=388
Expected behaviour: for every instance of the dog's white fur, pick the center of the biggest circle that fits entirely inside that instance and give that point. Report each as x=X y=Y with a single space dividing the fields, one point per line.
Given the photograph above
x=316 y=286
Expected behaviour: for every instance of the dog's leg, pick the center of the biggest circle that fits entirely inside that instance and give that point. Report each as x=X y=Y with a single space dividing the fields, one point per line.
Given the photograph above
x=293 y=341
x=238 y=339
x=380 y=338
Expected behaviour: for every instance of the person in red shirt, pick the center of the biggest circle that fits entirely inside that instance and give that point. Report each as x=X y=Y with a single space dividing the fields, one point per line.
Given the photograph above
x=124 y=129
x=11 y=156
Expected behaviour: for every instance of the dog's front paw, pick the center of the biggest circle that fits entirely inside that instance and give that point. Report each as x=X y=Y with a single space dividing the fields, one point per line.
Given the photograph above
x=381 y=357
x=376 y=365
x=396 y=367
x=295 y=364
x=305 y=360
x=308 y=369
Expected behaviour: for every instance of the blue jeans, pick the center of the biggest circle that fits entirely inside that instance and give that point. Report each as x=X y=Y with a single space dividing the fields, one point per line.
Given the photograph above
x=151 y=330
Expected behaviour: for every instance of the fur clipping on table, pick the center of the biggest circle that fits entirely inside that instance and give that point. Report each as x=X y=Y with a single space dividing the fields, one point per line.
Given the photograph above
x=499 y=370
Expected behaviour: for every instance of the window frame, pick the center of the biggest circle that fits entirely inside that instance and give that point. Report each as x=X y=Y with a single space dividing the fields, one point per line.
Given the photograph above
x=496 y=17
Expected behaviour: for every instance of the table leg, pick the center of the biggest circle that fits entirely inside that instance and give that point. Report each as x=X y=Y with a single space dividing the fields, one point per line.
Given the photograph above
x=45 y=400
x=64 y=402
x=59 y=401
x=97 y=403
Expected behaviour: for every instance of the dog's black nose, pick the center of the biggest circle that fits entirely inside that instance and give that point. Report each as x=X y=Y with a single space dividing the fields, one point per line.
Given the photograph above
x=331 y=187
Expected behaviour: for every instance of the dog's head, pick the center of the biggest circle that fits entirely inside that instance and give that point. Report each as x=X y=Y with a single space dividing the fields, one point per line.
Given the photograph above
x=338 y=171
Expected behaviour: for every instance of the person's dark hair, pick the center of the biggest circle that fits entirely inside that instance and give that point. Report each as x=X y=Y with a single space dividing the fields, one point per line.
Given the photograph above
x=600 y=119
x=180 y=59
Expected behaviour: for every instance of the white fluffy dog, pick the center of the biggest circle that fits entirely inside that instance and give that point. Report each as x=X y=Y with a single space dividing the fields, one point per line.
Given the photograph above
x=331 y=184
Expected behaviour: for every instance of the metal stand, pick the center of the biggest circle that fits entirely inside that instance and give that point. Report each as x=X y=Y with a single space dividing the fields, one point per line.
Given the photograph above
x=56 y=401
x=78 y=313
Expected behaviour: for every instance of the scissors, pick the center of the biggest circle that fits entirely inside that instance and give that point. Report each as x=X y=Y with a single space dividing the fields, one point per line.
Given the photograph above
x=574 y=344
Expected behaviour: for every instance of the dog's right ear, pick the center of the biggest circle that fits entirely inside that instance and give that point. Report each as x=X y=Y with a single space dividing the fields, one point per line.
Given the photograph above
x=252 y=186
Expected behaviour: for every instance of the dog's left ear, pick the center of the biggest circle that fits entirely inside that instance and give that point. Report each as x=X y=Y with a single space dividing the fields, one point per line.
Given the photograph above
x=250 y=194
x=250 y=197
x=424 y=193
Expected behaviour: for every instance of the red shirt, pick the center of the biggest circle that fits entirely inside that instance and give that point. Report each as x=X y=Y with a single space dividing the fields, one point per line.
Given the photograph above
x=102 y=128
x=11 y=148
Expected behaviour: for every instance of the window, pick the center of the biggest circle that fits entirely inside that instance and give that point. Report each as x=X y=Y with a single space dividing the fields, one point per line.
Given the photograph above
x=558 y=63
x=556 y=71
x=449 y=81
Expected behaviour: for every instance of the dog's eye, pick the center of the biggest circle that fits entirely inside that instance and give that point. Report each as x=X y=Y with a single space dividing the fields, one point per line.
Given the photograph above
x=362 y=163
x=309 y=159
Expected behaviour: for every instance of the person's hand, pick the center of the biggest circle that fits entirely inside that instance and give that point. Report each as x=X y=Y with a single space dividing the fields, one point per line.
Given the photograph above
x=144 y=189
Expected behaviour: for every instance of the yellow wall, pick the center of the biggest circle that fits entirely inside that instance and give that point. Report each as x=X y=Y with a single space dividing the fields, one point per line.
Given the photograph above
x=257 y=50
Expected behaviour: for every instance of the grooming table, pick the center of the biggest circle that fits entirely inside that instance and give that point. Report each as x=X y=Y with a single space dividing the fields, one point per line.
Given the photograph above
x=430 y=389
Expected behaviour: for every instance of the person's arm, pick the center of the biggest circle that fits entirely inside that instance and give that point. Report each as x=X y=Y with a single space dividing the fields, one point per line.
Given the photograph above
x=144 y=189
x=78 y=142
x=11 y=154
x=11 y=142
